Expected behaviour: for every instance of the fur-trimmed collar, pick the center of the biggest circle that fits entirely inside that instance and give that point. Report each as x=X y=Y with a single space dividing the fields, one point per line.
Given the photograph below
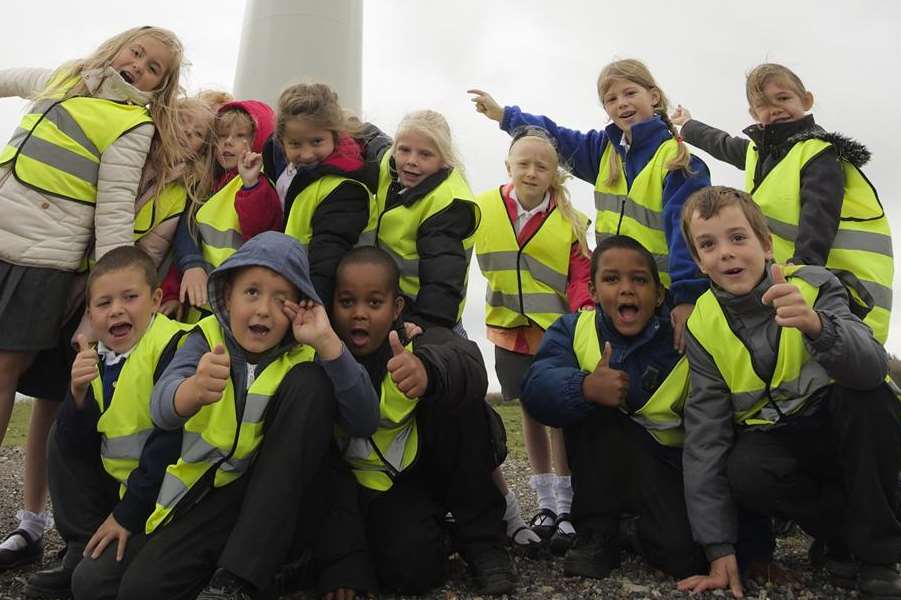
x=778 y=139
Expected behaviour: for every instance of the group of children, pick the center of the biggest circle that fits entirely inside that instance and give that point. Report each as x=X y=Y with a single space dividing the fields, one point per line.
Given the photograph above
x=245 y=325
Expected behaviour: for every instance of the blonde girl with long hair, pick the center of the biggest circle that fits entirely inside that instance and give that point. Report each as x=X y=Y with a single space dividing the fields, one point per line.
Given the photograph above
x=641 y=170
x=531 y=246
x=68 y=177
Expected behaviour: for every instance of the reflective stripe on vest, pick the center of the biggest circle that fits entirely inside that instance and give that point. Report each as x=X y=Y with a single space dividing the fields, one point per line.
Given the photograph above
x=861 y=253
x=299 y=224
x=59 y=143
x=525 y=283
x=795 y=378
x=218 y=226
x=125 y=424
x=397 y=440
x=636 y=210
x=661 y=415
x=396 y=229
x=209 y=438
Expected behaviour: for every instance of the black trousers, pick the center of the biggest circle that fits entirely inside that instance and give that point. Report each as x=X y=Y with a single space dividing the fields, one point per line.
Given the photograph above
x=835 y=472
x=617 y=468
x=249 y=526
x=407 y=537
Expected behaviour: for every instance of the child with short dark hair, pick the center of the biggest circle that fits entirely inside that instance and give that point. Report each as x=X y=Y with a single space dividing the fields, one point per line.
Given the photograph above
x=250 y=416
x=611 y=379
x=99 y=488
x=433 y=451
x=790 y=412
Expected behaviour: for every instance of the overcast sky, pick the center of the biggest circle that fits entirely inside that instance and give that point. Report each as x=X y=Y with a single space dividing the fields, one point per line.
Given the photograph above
x=546 y=58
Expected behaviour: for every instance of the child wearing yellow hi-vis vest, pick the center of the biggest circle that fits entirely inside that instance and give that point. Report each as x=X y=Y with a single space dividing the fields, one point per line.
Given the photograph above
x=436 y=446
x=99 y=488
x=791 y=413
x=611 y=379
x=820 y=207
x=251 y=410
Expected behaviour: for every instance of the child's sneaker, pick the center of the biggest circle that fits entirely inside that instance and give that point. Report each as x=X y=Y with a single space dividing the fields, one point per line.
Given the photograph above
x=225 y=586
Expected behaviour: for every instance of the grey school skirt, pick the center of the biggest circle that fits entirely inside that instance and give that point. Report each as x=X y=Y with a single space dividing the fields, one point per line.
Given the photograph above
x=32 y=301
x=511 y=369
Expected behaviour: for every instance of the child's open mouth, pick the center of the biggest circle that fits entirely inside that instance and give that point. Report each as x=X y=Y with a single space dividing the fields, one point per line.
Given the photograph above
x=627 y=312
x=259 y=330
x=733 y=271
x=359 y=337
x=628 y=114
x=128 y=77
x=120 y=330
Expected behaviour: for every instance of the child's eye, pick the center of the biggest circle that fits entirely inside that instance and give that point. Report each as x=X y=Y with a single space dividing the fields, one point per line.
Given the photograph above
x=251 y=291
x=345 y=303
x=609 y=278
x=374 y=303
x=705 y=244
x=640 y=279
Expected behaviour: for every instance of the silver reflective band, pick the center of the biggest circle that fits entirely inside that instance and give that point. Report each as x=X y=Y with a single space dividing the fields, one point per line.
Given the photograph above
x=125 y=446
x=66 y=124
x=630 y=208
x=531 y=303
x=845 y=239
x=507 y=261
x=171 y=491
x=255 y=408
x=408 y=267
x=367 y=238
x=64 y=160
x=219 y=239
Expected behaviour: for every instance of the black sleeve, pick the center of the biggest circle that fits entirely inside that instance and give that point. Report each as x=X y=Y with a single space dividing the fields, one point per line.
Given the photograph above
x=443 y=265
x=716 y=143
x=374 y=141
x=273 y=159
x=822 y=194
x=455 y=368
x=336 y=227
x=76 y=429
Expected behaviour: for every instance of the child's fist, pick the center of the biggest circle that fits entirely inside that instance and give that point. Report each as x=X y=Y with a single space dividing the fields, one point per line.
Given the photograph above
x=680 y=116
x=213 y=372
x=487 y=105
x=791 y=308
x=605 y=386
x=249 y=166
x=84 y=370
x=406 y=369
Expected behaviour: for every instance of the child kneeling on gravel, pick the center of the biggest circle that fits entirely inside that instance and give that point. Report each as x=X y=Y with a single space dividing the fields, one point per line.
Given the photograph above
x=433 y=452
x=101 y=493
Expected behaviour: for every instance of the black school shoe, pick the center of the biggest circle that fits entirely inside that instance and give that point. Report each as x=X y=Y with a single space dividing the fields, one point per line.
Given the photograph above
x=561 y=542
x=30 y=553
x=591 y=555
x=50 y=584
x=225 y=586
x=491 y=568
x=544 y=523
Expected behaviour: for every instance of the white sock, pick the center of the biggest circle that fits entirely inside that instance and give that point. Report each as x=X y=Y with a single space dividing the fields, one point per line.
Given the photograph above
x=563 y=491
x=543 y=484
x=33 y=523
x=516 y=527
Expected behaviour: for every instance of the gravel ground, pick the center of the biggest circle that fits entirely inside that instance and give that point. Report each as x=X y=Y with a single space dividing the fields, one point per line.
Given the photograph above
x=538 y=579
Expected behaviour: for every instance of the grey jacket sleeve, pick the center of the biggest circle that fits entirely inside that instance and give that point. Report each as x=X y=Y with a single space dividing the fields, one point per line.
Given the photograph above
x=846 y=347
x=358 y=404
x=709 y=436
x=182 y=366
x=717 y=143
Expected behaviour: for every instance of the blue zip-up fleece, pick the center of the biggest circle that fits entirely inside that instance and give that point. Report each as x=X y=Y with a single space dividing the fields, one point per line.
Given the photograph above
x=358 y=405
x=583 y=151
x=552 y=388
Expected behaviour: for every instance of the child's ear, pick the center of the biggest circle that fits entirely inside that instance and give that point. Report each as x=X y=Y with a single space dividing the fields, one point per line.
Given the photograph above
x=807 y=101
x=398 y=305
x=507 y=164
x=593 y=292
x=768 y=247
x=157 y=298
x=661 y=295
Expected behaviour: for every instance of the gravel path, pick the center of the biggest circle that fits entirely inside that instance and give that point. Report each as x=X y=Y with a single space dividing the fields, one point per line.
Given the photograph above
x=538 y=579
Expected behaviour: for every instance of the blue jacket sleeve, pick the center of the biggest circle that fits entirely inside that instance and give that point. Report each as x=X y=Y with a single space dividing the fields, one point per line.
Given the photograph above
x=187 y=251
x=552 y=387
x=580 y=151
x=687 y=282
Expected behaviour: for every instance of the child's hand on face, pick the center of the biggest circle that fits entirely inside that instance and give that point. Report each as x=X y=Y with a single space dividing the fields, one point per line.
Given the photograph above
x=680 y=116
x=311 y=326
x=84 y=370
x=487 y=105
x=406 y=369
x=605 y=386
x=791 y=308
x=193 y=286
x=213 y=372
x=250 y=164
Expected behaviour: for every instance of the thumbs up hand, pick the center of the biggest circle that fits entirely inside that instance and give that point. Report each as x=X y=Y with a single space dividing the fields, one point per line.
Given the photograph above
x=213 y=372
x=605 y=386
x=84 y=370
x=791 y=308
x=406 y=370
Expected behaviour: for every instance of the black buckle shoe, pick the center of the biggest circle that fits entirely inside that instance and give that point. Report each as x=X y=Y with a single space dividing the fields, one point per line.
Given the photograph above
x=879 y=582
x=225 y=586
x=537 y=523
x=491 y=568
x=50 y=584
x=30 y=553
x=560 y=541
x=591 y=555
